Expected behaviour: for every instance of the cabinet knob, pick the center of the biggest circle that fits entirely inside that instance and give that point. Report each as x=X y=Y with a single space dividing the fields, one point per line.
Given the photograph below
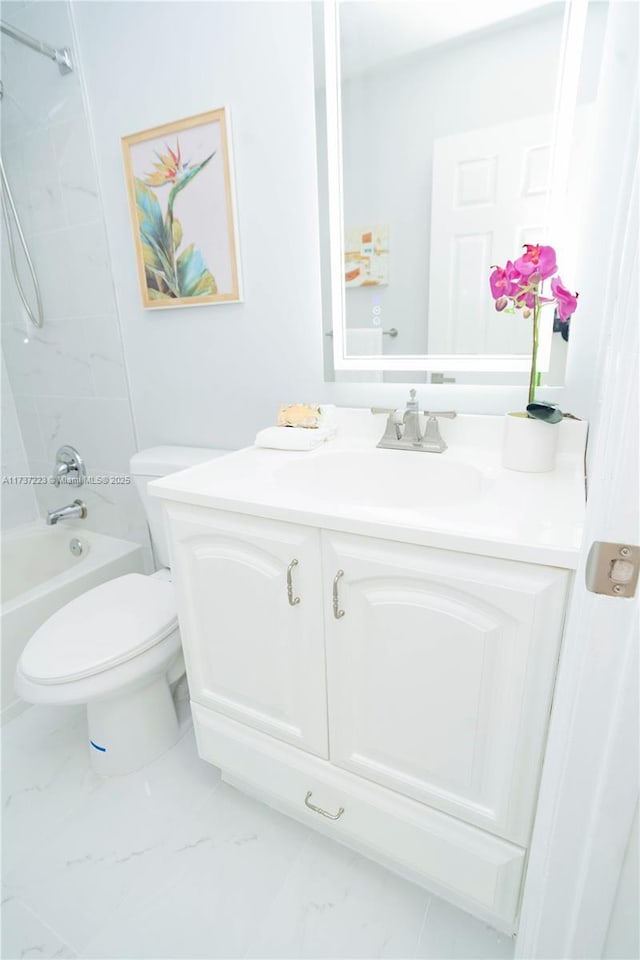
x=293 y=601
x=336 y=601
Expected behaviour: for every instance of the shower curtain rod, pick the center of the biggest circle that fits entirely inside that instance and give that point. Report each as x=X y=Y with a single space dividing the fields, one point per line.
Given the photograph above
x=61 y=55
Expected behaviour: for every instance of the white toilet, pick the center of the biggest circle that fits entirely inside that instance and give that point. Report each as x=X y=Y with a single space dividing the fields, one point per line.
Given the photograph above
x=117 y=647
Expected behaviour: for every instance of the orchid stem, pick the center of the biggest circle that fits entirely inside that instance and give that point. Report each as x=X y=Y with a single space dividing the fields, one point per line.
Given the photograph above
x=534 y=351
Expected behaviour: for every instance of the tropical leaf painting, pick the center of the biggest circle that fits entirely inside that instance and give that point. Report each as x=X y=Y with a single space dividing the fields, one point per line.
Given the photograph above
x=170 y=274
x=176 y=237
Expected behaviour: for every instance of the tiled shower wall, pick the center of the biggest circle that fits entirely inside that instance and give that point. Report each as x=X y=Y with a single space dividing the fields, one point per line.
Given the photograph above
x=68 y=379
x=18 y=501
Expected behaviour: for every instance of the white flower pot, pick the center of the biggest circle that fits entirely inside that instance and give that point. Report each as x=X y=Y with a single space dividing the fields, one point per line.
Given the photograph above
x=529 y=445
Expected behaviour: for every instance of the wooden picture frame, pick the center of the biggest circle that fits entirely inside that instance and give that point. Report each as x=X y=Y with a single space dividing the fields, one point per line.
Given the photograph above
x=182 y=204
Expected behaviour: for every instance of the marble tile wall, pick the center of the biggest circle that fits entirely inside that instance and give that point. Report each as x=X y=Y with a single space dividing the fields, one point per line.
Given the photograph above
x=68 y=378
x=18 y=501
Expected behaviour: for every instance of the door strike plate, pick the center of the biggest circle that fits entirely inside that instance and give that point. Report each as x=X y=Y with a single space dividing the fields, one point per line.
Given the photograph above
x=612 y=569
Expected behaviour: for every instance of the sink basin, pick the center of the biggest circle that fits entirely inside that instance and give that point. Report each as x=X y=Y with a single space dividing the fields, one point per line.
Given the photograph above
x=383 y=478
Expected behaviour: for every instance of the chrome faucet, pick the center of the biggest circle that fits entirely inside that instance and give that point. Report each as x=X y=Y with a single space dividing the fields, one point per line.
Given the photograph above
x=404 y=429
x=69 y=466
x=74 y=511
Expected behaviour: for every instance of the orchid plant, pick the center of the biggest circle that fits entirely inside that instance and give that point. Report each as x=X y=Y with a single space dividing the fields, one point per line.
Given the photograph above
x=520 y=284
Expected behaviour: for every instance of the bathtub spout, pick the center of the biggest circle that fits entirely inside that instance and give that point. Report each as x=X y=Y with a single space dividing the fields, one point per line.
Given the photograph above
x=74 y=511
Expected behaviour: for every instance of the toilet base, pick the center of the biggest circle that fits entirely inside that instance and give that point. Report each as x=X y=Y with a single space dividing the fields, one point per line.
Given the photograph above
x=127 y=732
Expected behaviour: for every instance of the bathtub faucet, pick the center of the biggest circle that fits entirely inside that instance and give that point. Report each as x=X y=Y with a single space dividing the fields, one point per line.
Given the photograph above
x=74 y=511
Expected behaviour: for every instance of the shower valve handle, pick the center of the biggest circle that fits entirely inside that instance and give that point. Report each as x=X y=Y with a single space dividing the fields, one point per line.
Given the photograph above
x=70 y=465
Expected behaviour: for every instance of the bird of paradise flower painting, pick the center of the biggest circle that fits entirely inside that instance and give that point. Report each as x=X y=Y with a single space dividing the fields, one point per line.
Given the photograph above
x=173 y=219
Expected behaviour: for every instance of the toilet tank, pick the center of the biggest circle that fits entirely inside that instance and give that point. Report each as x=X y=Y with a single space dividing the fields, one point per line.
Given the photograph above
x=160 y=462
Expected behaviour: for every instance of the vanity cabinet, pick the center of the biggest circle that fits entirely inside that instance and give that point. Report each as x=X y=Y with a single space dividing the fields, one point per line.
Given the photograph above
x=396 y=696
x=440 y=675
x=250 y=653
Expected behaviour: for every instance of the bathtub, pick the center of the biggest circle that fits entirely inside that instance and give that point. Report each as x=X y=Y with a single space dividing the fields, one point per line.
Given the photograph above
x=40 y=573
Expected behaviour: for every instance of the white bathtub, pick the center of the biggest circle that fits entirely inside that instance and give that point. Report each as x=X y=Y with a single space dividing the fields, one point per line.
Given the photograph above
x=39 y=575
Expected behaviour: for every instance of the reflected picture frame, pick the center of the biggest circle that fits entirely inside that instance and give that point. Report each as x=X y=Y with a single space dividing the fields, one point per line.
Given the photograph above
x=180 y=187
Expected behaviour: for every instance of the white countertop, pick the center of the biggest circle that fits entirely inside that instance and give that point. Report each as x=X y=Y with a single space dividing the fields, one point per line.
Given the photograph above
x=535 y=518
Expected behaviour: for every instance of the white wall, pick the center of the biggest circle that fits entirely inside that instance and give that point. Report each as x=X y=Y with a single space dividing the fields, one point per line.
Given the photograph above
x=18 y=500
x=215 y=375
x=212 y=375
x=68 y=378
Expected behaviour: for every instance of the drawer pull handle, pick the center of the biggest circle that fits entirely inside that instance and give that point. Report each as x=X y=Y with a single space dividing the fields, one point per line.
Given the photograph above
x=293 y=601
x=336 y=602
x=312 y=806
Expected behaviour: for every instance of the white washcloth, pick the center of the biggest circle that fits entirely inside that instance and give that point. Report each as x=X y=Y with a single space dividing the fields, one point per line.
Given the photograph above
x=293 y=438
x=328 y=416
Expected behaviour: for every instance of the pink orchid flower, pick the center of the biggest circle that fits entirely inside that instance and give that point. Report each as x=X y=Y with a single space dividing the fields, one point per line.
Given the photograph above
x=567 y=302
x=537 y=259
x=504 y=281
x=522 y=299
x=521 y=284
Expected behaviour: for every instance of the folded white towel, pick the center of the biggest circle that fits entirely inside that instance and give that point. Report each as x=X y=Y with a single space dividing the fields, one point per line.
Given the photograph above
x=293 y=438
x=328 y=416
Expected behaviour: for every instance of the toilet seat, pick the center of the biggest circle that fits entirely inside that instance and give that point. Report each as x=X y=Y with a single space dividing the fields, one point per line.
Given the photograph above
x=104 y=627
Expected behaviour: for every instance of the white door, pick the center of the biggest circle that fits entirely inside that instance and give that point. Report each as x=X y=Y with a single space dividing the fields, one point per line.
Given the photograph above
x=440 y=675
x=251 y=617
x=488 y=198
x=589 y=787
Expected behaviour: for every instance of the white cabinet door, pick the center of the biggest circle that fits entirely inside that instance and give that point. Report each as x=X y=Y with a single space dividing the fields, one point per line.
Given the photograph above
x=251 y=618
x=440 y=675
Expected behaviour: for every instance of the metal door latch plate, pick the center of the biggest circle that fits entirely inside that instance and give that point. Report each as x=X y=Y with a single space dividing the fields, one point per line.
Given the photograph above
x=612 y=569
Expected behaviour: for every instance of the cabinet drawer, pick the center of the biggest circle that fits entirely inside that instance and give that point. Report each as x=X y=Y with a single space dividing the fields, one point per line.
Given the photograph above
x=479 y=872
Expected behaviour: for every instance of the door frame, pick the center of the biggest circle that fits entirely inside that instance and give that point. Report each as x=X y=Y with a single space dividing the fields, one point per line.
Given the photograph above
x=590 y=781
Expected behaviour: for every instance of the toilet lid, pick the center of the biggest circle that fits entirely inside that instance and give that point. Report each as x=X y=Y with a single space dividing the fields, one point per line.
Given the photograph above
x=103 y=627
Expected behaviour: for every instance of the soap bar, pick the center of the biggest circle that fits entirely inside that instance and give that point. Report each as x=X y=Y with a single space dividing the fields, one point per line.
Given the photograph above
x=299 y=415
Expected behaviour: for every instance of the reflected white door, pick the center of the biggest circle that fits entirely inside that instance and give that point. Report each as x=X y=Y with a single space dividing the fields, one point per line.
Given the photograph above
x=488 y=198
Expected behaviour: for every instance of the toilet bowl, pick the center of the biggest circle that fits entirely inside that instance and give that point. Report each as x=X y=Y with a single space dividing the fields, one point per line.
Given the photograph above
x=117 y=647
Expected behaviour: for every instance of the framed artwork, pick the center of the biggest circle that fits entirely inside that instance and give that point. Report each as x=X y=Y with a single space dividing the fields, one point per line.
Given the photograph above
x=181 y=196
x=366 y=256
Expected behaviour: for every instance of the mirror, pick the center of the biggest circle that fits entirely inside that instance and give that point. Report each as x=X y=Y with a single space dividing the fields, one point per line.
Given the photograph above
x=442 y=149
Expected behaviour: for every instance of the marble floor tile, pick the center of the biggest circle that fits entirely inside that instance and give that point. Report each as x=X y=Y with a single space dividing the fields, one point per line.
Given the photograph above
x=169 y=862
x=110 y=846
x=24 y=935
x=451 y=934
x=220 y=878
x=336 y=903
x=45 y=777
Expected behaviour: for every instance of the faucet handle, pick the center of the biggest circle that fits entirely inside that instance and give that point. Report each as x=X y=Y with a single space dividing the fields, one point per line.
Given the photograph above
x=447 y=414
x=393 y=428
x=412 y=404
x=69 y=462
